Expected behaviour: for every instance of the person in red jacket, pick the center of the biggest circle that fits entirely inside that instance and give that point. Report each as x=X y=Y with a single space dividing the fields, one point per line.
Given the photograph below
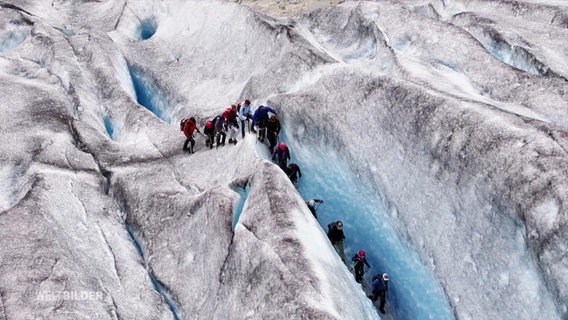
x=189 y=127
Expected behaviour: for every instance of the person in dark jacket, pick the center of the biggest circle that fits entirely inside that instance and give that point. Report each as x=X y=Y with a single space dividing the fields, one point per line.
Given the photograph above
x=360 y=262
x=259 y=119
x=220 y=127
x=293 y=171
x=336 y=236
x=232 y=122
x=209 y=132
x=380 y=286
x=312 y=205
x=272 y=131
x=189 y=127
x=281 y=155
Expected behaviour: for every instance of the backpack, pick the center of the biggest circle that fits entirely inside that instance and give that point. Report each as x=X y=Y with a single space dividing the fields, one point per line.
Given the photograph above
x=182 y=123
x=375 y=277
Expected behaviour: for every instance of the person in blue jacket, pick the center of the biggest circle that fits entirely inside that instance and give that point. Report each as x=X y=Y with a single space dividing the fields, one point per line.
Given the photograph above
x=380 y=287
x=259 y=119
x=244 y=114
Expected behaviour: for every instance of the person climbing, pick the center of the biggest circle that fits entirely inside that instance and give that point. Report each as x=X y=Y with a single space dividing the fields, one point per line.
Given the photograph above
x=380 y=286
x=230 y=116
x=259 y=119
x=209 y=132
x=189 y=127
x=293 y=171
x=272 y=130
x=281 y=155
x=312 y=205
x=245 y=115
x=336 y=236
x=360 y=262
x=220 y=127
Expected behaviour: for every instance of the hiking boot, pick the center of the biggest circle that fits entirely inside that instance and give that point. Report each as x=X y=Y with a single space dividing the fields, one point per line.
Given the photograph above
x=382 y=310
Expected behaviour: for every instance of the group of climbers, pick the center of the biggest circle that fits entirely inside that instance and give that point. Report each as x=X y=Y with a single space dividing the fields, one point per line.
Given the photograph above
x=264 y=122
x=217 y=129
x=379 y=285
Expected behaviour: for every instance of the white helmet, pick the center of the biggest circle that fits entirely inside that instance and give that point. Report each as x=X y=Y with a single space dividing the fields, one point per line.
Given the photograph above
x=311 y=203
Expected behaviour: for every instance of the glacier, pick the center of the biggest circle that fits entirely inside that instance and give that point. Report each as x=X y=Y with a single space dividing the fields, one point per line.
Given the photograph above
x=435 y=130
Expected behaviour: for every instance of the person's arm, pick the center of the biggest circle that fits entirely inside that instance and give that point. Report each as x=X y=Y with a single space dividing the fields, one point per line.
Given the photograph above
x=365 y=260
x=300 y=173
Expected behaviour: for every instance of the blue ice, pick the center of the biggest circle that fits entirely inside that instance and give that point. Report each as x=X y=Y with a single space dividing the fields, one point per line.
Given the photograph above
x=414 y=293
x=146 y=29
x=148 y=95
x=108 y=127
x=238 y=209
x=11 y=39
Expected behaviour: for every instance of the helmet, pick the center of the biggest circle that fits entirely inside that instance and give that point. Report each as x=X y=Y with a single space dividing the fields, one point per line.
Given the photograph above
x=311 y=203
x=282 y=146
x=247 y=102
x=209 y=124
x=361 y=253
x=192 y=119
x=339 y=225
x=385 y=277
x=233 y=107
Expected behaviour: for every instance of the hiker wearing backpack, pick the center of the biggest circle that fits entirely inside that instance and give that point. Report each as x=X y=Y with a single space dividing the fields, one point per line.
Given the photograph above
x=293 y=172
x=219 y=128
x=281 y=155
x=232 y=123
x=380 y=286
x=336 y=236
x=360 y=262
x=209 y=132
x=272 y=130
x=188 y=127
x=312 y=206
x=259 y=119
x=245 y=115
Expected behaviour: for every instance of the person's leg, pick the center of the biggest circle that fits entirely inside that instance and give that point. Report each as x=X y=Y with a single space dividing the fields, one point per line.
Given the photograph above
x=282 y=162
x=223 y=136
x=192 y=145
x=243 y=128
x=185 y=144
x=262 y=130
x=272 y=140
x=382 y=296
x=211 y=140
